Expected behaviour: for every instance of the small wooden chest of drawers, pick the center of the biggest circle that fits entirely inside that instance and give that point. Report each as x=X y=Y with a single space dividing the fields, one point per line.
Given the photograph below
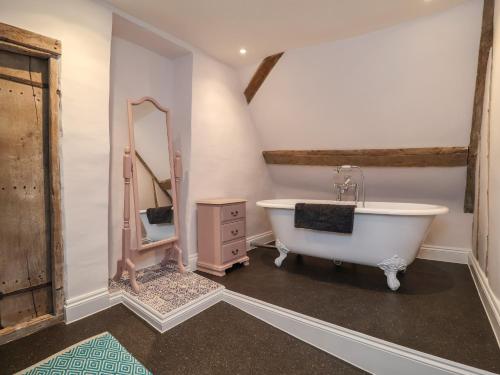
x=221 y=235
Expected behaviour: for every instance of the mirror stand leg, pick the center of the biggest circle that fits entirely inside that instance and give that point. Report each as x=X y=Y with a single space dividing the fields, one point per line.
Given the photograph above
x=132 y=276
x=119 y=270
x=180 y=265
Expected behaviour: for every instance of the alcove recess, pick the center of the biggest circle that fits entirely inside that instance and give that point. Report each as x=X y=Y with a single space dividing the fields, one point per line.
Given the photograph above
x=31 y=251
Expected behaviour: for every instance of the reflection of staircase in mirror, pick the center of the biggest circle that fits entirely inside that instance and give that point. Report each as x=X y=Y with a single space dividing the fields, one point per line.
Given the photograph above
x=164 y=185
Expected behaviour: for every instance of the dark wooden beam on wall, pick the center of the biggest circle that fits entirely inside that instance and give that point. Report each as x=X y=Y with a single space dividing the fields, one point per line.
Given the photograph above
x=399 y=157
x=477 y=113
x=260 y=75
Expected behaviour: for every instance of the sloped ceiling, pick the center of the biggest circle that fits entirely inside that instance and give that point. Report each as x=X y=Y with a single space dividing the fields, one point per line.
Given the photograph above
x=265 y=27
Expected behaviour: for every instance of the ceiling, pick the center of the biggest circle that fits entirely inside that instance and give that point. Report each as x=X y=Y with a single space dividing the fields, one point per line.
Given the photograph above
x=264 y=27
x=125 y=29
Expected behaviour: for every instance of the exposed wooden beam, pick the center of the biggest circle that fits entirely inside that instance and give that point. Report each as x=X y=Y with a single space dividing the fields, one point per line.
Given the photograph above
x=399 y=157
x=477 y=115
x=260 y=75
x=30 y=40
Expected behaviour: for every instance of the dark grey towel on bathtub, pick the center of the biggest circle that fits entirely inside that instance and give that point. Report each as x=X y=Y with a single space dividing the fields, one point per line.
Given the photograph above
x=337 y=218
x=160 y=215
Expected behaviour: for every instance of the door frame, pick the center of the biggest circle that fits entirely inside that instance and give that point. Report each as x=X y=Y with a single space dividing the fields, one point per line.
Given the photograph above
x=24 y=42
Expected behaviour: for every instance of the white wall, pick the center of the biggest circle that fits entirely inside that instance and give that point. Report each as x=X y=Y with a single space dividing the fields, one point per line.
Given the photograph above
x=181 y=117
x=84 y=27
x=407 y=86
x=225 y=148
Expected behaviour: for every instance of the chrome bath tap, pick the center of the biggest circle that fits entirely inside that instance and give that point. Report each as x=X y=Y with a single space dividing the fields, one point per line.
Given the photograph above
x=344 y=187
x=348 y=184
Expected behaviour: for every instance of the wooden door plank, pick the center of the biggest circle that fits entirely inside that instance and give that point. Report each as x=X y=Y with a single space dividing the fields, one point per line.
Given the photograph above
x=23 y=69
x=55 y=188
x=24 y=259
x=16 y=309
x=20 y=188
x=23 y=307
x=42 y=301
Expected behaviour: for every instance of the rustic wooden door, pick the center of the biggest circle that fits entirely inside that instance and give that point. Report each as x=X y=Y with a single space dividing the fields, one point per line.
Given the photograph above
x=31 y=293
x=25 y=269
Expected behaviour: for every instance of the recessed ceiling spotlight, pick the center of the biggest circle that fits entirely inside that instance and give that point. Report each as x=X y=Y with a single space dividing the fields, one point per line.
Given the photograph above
x=427 y=1
x=243 y=51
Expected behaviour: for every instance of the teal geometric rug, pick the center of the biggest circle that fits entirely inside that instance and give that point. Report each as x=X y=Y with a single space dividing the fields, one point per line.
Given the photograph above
x=98 y=355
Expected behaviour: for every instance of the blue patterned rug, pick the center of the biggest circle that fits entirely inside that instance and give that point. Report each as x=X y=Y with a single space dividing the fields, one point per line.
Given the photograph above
x=101 y=354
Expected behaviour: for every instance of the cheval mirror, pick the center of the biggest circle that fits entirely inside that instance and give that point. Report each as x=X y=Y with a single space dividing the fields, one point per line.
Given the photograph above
x=150 y=164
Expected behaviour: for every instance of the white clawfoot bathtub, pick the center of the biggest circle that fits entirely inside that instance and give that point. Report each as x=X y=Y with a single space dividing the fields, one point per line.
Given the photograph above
x=386 y=235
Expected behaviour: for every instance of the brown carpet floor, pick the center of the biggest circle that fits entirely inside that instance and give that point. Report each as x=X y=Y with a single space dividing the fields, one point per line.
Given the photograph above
x=220 y=340
x=437 y=310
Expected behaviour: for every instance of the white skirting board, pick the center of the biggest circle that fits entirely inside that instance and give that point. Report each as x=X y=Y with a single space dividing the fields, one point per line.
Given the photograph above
x=103 y=299
x=368 y=353
x=192 y=260
x=363 y=351
x=164 y=322
x=444 y=254
x=260 y=238
x=87 y=304
x=490 y=302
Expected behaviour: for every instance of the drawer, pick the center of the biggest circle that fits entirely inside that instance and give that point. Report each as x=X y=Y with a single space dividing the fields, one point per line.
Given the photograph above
x=233 y=211
x=233 y=250
x=232 y=231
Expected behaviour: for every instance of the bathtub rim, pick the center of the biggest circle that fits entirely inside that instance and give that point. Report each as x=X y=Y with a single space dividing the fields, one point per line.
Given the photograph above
x=374 y=208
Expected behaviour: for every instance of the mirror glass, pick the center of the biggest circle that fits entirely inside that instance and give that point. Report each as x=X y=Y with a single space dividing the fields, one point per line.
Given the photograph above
x=153 y=174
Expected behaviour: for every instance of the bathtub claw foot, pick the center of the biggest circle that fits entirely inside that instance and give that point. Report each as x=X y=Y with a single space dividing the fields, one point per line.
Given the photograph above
x=391 y=267
x=283 y=253
x=392 y=280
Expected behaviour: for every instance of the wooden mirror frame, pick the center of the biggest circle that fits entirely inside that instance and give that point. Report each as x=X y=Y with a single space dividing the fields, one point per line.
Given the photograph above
x=139 y=245
x=129 y=168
